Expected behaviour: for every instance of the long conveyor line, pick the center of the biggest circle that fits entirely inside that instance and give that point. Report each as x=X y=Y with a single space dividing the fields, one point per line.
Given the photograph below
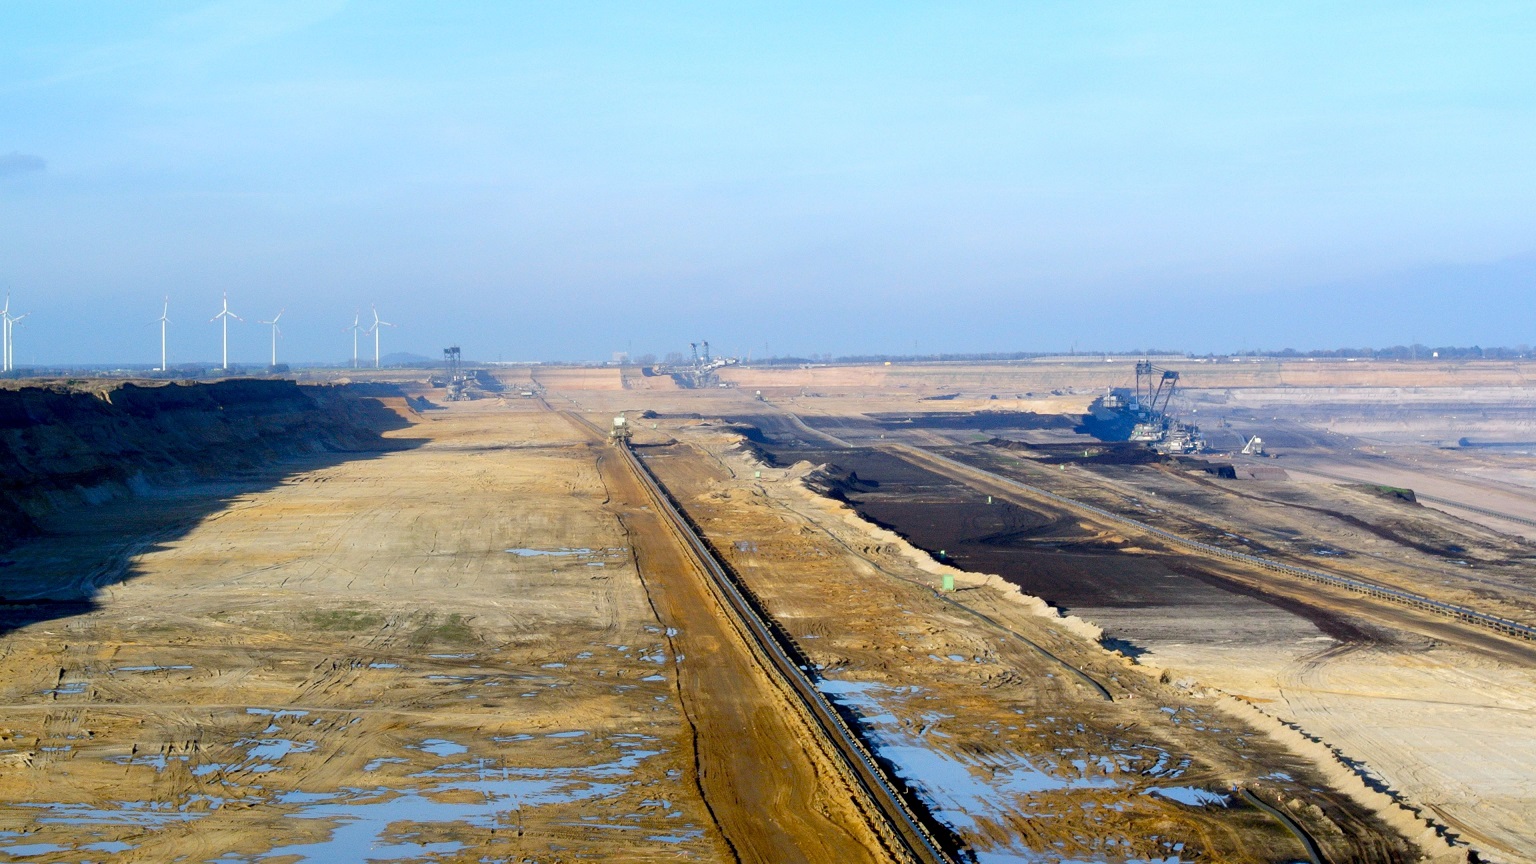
x=1395 y=595
x=906 y=826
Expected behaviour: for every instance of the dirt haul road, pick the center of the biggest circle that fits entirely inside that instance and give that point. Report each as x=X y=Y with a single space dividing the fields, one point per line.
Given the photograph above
x=777 y=795
x=481 y=647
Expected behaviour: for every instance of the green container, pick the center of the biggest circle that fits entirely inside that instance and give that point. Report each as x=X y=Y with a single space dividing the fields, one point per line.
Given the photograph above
x=949 y=582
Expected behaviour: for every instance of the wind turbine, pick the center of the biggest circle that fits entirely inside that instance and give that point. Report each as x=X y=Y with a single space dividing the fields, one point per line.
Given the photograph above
x=356 y=328
x=275 y=333
x=226 y=315
x=163 y=320
x=10 y=341
x=5 y=334
x=7 y=339
x=375 y=331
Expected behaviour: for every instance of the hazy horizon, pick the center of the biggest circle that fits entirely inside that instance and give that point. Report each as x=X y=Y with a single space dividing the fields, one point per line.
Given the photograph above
x=538 y=182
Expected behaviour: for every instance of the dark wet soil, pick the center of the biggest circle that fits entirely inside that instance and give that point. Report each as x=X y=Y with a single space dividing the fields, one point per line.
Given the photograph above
x=1045 y=551
x=966 y=420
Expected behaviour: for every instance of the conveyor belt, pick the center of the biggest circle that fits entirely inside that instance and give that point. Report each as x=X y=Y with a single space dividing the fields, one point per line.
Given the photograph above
x=904 y=824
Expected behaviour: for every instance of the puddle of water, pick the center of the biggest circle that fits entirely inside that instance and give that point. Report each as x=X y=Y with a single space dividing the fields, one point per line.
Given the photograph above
x=562 y=552
x=442 y=747
x=364 y=818
x=383 y=665
x=304 y=797
x=1192 y=796
x=683 y=837
x=654 y=678
x=270 y=750
x=575 y=733
x=376 y=764
x=277 y=713
x=359 y=831
x=29 y=849
x=958 y=788
x=139 y=814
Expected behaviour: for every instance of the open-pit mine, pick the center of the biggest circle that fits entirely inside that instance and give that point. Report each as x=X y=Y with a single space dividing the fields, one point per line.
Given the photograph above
x=841 y=613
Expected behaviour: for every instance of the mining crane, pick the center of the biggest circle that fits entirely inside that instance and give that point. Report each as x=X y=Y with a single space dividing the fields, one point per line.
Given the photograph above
x=1154 y=388
x=700 y=370
x=1154 y=394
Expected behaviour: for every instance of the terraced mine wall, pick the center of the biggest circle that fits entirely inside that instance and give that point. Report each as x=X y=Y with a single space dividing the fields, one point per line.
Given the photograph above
x=66 y=447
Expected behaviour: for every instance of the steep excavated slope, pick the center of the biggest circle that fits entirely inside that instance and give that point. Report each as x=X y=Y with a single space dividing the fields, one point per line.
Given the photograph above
x=62 y=447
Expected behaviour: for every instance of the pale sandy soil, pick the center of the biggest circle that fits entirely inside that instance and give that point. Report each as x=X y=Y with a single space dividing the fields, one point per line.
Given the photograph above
x=351 y=663
x=1446 y=727
x=1094 y=374
x=1504 y=489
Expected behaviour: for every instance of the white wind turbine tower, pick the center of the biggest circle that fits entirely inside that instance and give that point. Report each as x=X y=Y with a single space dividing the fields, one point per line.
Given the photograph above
x=356 y=328
x=10 y=340
x=275 y=333
x=7 y=339
x=375 y=331
x=226 y=315
x=5 y=335
x=163 y=320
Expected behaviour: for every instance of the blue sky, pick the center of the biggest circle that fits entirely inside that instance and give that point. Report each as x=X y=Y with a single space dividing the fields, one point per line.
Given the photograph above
x=542 y=181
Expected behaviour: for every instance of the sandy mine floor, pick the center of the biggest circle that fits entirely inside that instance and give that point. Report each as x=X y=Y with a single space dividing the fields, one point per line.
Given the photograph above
x=442 y=652
x=486 y=645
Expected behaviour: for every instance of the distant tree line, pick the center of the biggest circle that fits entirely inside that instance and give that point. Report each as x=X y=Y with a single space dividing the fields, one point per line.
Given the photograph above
x=1403 y=352
x=1396 y=352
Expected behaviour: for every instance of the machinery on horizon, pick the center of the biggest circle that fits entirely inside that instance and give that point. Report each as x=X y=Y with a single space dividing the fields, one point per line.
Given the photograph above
x=1254 y=447
x=1143 y=413
x=457 y=382
x=1154 y=390
x=620 y=433
x=699 y=372
x=466 y=384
